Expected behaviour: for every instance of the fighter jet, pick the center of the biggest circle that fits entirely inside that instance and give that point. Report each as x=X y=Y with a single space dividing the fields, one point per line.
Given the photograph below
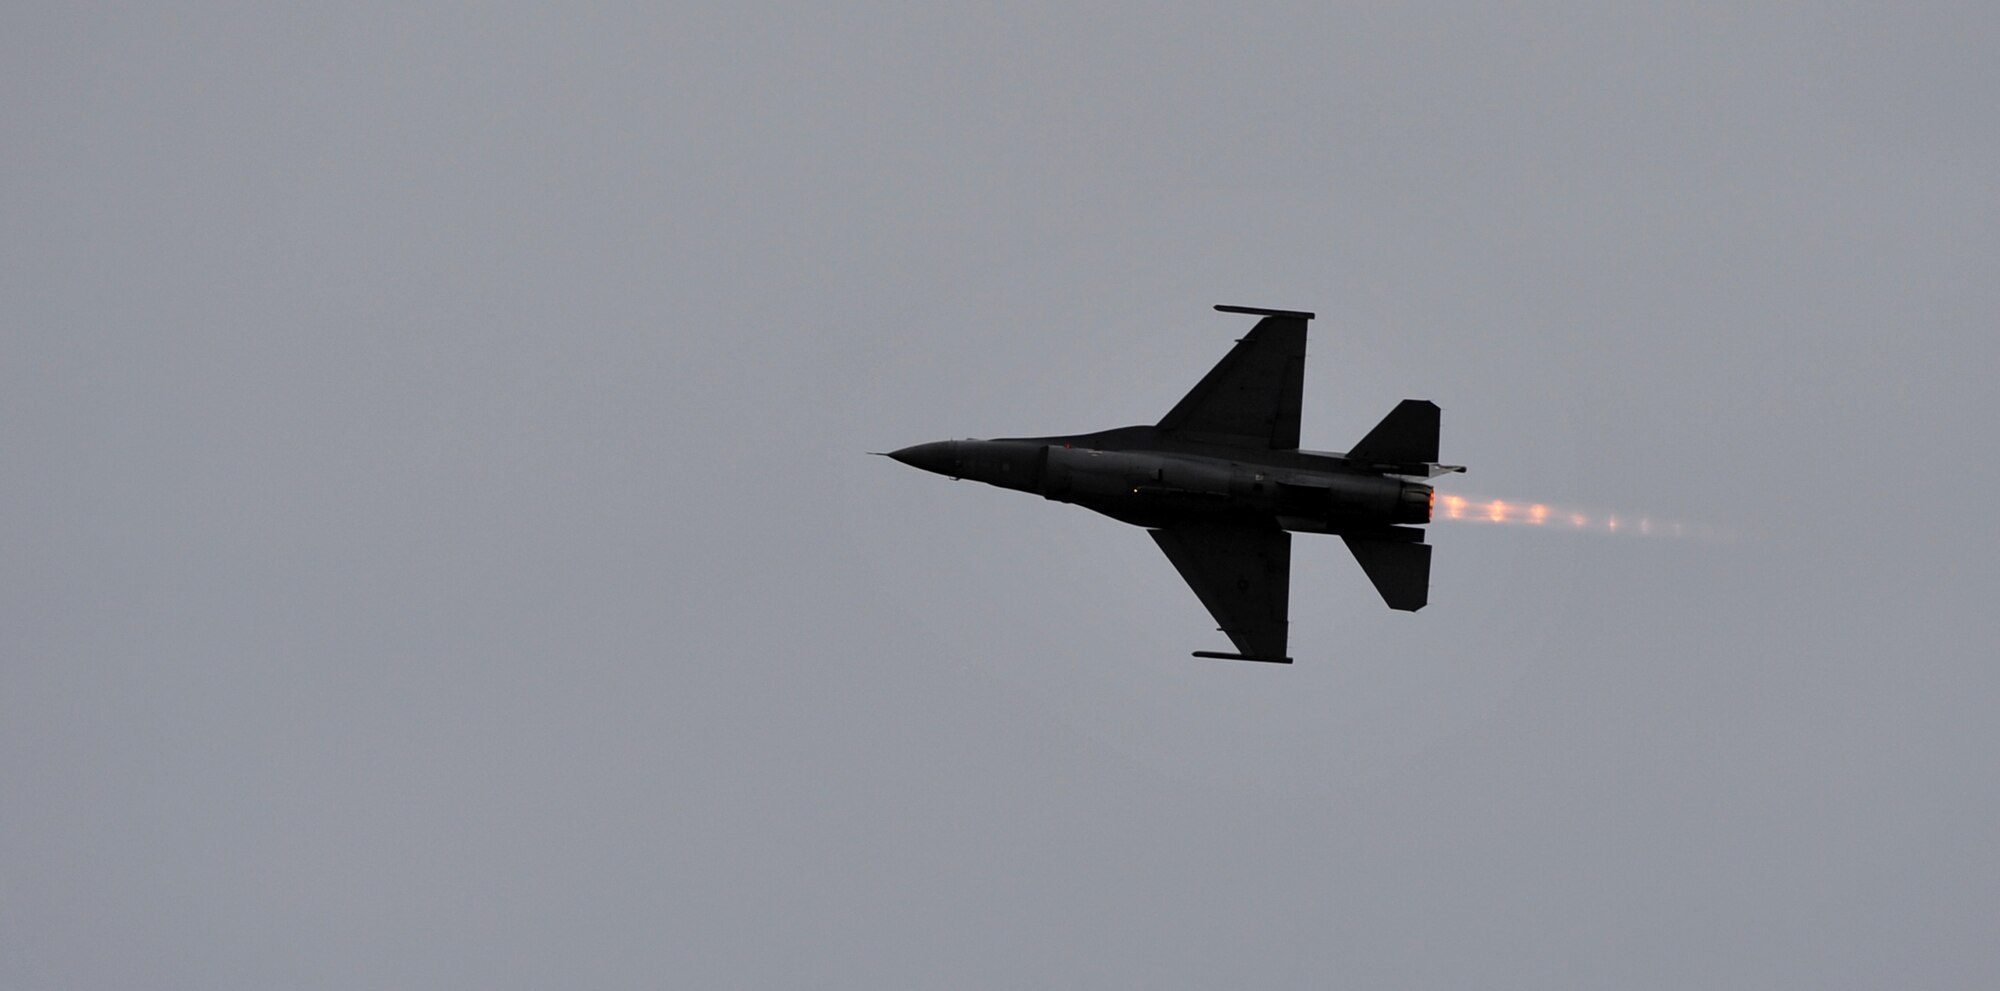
x=1221 y=484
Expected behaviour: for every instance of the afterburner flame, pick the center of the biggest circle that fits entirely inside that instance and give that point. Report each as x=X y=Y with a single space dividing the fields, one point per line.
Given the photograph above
x=1468 y=509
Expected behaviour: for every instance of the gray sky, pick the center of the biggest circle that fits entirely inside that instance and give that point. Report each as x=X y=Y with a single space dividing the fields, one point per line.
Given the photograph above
x=439 y=552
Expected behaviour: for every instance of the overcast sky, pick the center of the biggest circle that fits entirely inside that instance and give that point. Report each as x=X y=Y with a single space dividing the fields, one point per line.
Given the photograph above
x=439 y=549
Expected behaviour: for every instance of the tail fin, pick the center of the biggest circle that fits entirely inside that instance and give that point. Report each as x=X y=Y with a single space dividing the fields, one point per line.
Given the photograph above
x=1407 y=436
x=1401 y=570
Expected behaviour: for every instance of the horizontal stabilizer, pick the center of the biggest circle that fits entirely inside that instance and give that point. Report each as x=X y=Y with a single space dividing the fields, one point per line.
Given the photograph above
x=1401 y=571
x=1407 y=436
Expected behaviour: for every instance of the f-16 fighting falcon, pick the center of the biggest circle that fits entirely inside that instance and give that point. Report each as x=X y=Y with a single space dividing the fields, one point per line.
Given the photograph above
x=1221 y=484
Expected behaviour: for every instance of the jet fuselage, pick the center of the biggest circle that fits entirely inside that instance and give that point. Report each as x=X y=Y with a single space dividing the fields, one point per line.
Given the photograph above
x=1131 y=475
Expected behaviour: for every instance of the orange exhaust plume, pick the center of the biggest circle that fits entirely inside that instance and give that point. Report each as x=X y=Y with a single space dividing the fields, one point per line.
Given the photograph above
x=1542 y=514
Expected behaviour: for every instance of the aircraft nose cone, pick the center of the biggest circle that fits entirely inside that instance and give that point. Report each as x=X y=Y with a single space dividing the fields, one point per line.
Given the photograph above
x=938 y=456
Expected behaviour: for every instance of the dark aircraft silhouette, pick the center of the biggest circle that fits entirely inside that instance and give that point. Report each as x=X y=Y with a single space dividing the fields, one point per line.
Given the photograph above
x=1221 y=483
